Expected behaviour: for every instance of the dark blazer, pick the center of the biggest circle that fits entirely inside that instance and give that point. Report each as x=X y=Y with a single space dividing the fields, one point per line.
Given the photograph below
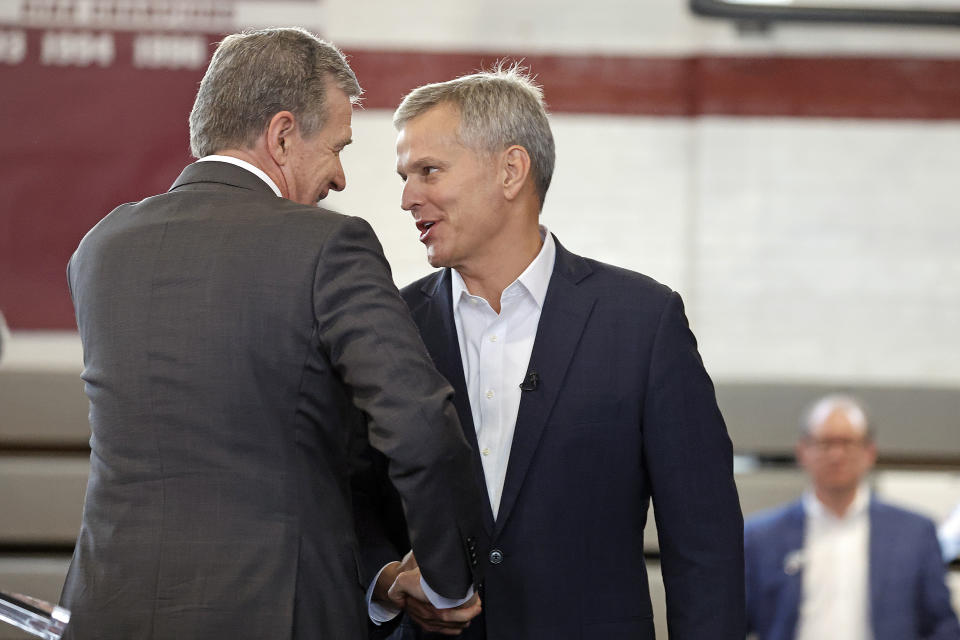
x=909 y=599
x=238 y=347
x=623 y=412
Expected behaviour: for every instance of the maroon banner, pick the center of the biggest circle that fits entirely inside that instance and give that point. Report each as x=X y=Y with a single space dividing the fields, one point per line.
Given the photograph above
x=83 y=130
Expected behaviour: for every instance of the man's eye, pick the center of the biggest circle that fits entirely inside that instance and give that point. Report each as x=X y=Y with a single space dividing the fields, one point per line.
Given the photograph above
x=428 y=170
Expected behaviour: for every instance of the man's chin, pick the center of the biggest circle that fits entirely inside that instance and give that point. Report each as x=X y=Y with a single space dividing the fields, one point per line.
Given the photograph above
x=435 y=261
x=842 y=486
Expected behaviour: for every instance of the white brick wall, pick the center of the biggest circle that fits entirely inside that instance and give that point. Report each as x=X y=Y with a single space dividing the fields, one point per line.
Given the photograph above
x=829 y=250
x=806 y=249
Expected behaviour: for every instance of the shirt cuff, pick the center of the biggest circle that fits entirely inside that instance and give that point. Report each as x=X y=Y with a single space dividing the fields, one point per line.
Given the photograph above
x=379 y=613
x=439 y=601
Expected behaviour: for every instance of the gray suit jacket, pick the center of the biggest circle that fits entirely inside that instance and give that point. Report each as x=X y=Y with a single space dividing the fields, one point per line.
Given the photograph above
x=238 y=348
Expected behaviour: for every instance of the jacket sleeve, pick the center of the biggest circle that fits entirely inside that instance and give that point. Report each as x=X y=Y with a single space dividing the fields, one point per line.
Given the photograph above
x=378 y=514
x=750 y=578
x=689 y=458
x=374 y=346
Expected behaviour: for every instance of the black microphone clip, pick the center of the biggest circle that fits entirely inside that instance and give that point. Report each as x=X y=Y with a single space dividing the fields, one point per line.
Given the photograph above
x=531 y=382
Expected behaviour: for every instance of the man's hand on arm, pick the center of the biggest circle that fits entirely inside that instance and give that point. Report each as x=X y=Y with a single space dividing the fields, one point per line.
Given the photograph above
x=407 y=593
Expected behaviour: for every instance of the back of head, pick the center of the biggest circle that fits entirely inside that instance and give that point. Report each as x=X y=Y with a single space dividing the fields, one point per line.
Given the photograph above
x=256 y=74
x=498 y=108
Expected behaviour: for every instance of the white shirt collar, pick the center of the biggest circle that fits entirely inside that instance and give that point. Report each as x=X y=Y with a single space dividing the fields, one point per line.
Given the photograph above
x=816 y=509
x=535 y=278
x=243 y=164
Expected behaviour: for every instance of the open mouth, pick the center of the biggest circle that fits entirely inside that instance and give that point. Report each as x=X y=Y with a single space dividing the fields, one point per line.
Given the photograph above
x=424 y=227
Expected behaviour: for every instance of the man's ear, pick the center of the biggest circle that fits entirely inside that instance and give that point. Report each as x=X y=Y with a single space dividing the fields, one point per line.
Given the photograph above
x=279 y=135
x=516 y=170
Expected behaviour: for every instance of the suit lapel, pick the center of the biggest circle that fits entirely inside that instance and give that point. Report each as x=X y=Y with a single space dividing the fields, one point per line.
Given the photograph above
x=881 y=549
x=439 y=332
x=793 y=563
x=566 y=309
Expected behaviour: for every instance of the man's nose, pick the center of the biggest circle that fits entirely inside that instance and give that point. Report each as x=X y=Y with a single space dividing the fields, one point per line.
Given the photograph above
x=409 y=198
x=339 y=181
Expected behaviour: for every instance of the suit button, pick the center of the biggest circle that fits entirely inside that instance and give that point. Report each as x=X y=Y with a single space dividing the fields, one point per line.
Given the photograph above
x=496 y=556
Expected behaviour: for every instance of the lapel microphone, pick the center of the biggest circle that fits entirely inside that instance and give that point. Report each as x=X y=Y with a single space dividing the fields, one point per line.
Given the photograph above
x=793 y=562
x=531 y=382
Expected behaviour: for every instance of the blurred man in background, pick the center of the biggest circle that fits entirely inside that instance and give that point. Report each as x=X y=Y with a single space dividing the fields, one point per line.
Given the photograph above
x=233 y=333
x=579 y=386
x=839 y=563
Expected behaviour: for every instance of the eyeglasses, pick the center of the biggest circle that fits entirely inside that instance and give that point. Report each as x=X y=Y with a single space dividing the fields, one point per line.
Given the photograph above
x=844 y=444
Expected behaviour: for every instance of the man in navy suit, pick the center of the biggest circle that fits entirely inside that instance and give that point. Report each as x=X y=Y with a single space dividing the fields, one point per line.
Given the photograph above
x=839 y=563
x=579 y=386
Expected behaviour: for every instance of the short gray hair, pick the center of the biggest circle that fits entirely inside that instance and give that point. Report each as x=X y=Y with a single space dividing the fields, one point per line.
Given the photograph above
x=256 y=74
x=498 y=108
x=817 y=412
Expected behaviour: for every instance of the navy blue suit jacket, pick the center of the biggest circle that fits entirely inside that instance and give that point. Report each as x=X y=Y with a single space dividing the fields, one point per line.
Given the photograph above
x=623 y=412
x=909 y=599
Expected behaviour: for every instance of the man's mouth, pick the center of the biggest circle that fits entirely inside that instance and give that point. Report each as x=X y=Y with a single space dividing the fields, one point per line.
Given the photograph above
x=424 y=227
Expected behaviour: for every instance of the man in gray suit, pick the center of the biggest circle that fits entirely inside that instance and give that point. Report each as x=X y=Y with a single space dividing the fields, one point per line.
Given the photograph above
x=240 y=345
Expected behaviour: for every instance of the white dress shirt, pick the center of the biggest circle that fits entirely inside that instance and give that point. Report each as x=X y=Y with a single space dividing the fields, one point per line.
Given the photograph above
x=949 y=533
x=243 y=164
x=836 y=571
x=495 y=350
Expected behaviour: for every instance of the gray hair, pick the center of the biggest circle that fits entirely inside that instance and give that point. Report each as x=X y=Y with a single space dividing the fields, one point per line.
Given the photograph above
x=817 y=412
x=498 y=108
x=256 y=74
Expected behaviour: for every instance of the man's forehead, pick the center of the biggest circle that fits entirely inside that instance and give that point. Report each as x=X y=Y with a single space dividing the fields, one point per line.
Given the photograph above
x=413 y=144
x=338 y=107
x=840 y=420
x=441 y=118
x=336 y=135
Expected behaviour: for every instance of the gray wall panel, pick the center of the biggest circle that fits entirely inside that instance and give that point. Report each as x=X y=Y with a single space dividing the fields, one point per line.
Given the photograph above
x=48 y=408
x=42 y=499
x=910 y=422
x=45 y=408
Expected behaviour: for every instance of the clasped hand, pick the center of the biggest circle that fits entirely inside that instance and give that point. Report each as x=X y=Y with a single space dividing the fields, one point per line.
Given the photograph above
x=399 y=586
